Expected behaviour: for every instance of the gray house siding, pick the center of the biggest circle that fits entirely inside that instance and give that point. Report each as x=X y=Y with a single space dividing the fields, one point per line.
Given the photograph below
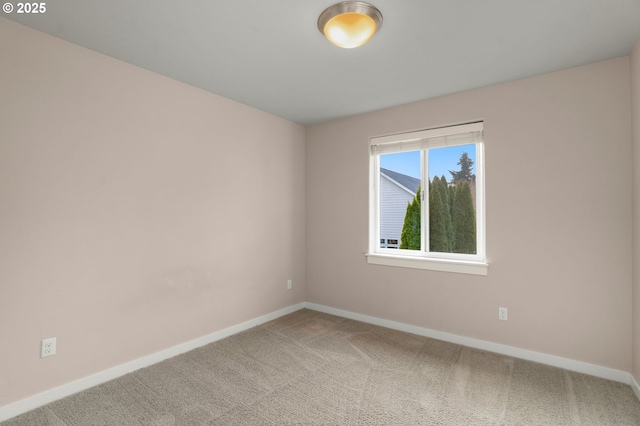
x=396 y=192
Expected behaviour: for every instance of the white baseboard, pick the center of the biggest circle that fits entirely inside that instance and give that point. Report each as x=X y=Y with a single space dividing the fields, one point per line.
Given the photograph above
x=634 y=385
x=33 y=402
x=555 y=361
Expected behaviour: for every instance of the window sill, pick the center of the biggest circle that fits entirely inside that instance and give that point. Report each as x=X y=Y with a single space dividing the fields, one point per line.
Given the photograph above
x=432 y=264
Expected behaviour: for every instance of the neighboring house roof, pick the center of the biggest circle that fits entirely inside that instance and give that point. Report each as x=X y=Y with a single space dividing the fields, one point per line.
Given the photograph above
x=410 y=183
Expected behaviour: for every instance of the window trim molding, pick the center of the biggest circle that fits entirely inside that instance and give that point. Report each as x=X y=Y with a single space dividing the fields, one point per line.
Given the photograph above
x=429 y=263
x=467 y=264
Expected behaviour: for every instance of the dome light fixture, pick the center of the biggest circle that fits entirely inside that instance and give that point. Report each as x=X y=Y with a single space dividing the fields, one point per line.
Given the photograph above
x=350 y=24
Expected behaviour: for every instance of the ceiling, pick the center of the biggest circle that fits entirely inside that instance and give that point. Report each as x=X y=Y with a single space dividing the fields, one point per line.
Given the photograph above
x=270 y=55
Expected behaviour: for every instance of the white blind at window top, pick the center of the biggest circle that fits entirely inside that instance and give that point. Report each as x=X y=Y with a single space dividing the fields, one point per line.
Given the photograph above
x=423 y=139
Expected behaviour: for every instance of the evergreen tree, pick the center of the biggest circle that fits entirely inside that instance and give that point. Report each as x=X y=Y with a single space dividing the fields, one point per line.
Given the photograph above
x=438 y=237
x=466 y=166
x=451 y=191
x=447 y=203
x=410 y=236
x=464 y=220
x=443 y=181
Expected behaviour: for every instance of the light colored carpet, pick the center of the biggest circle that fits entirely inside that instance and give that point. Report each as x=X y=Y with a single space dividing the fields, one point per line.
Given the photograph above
x=311 y=368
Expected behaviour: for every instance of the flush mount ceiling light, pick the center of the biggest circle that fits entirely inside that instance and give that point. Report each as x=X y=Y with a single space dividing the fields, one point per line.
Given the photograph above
x=350 y=23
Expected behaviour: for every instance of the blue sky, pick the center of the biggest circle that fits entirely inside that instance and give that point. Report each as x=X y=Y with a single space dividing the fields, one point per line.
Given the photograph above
x=441 y=160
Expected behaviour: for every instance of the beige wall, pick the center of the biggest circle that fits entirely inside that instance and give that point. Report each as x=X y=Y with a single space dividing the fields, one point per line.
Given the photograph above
x=136 y=212
x=558 y=185
x=635 y=109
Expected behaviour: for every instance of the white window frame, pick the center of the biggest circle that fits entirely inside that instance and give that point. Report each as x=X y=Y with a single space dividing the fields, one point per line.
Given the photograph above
x=424 y=140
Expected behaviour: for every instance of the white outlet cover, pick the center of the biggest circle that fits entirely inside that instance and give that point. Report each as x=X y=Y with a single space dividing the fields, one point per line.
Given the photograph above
x=503 y=313
x=48 y=347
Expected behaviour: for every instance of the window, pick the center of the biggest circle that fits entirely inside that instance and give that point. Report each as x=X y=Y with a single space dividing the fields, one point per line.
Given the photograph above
x=427 y=196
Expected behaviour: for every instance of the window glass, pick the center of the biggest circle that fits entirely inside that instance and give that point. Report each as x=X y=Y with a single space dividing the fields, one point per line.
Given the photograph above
x=452 y=195
x=399 y=184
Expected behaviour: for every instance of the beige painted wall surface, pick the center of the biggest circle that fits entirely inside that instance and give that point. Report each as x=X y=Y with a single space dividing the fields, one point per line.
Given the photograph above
x=635 y=109
x=136 y=212
x=558 y=184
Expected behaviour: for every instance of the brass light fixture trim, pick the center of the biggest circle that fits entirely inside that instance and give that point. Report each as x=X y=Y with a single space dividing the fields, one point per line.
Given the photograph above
x=350 y=24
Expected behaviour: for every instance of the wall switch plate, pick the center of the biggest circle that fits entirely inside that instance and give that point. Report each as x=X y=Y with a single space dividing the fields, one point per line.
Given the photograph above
x=503 y=313
x=289 y=284
x=48 y=347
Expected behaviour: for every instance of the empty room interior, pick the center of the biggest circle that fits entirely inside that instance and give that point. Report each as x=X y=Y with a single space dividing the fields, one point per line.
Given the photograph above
x=172 y=175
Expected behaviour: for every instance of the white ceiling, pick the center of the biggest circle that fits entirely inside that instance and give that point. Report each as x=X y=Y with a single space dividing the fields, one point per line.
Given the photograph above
x=269 y=53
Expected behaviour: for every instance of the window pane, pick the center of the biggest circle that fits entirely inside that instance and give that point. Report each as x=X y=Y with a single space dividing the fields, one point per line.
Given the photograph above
x=452 y=195
x=399 y=206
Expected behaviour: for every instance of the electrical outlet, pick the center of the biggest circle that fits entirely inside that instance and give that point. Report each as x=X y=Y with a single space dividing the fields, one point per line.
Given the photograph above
x=289 y=284
x=502 y=313
x=48 y=347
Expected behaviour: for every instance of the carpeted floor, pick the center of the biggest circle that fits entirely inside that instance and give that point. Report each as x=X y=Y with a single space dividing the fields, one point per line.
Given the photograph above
x=311 y=368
